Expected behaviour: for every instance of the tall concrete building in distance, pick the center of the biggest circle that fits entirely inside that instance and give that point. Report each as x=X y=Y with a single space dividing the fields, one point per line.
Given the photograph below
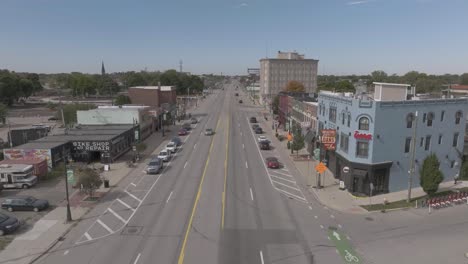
x=275 y=73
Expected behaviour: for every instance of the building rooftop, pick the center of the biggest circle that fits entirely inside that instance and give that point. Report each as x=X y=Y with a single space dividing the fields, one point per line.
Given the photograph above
x=391 y=84
x=163 y=88
x=122 y=107
x=14 y=167
x=27 y=161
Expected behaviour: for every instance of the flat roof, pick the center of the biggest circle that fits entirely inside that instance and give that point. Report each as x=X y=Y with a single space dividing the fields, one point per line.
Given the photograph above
x=14 y=167
x=392 y=84
x=163 y=88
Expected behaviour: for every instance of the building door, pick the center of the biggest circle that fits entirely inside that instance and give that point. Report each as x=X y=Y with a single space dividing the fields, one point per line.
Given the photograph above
x=355 y=184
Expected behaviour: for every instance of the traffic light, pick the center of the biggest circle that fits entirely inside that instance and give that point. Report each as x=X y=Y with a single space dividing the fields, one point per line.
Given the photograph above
x=317 y=154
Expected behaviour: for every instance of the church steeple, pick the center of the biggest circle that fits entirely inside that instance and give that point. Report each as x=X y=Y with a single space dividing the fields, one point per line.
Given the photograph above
x=103 y=70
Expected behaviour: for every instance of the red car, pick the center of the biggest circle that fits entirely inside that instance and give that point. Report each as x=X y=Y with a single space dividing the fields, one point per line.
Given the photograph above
x=272 y=163
x=182 y=132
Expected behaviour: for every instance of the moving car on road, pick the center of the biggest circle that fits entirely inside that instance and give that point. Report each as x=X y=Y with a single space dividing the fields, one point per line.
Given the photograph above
x=154 y=166
x=272 y=163
x=24 y=203
x=193 y=120
x=263 y=139
x=165 y=155
x=8 y=224
x=264 y=145
x=209 y=132
x=182 y=132
x=253 y=120
x=172 y=147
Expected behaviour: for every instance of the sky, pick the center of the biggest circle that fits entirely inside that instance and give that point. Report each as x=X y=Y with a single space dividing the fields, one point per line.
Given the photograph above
x=229 y=36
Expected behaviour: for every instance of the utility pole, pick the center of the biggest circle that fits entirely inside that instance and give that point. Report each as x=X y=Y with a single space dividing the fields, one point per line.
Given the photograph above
x=413 y=153
x=65 y=159
x=9 y=134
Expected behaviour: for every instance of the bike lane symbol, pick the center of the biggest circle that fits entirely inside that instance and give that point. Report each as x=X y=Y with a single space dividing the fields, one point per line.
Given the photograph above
x=343 y=246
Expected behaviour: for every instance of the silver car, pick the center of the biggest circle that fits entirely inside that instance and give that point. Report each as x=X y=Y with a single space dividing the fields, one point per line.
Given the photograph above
x=154 y=166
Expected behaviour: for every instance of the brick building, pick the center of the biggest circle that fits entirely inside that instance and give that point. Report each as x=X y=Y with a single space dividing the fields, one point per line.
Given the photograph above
x=153 y=96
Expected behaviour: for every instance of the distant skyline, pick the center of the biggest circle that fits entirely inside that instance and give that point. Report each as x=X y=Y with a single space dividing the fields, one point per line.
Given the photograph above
x=229 y=36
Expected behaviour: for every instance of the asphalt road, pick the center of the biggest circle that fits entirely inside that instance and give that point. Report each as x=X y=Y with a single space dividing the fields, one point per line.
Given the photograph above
x=216 y=202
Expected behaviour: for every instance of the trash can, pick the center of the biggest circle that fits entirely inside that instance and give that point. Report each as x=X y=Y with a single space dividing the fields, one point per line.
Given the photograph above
x=106 y=183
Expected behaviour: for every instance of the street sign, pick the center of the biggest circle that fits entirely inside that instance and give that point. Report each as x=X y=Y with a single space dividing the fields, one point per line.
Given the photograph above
x=343 y=246
x=328 y=139
x=70 y=177
x=321 y=168
x=345 y=169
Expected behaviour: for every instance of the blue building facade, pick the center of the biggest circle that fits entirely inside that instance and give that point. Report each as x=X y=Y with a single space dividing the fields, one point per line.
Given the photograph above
x=374 y=139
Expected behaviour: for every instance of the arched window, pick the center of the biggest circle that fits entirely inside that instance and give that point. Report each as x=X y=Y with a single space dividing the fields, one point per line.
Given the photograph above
x=342 y=118
x=409 y=120
x=363 y=123
x=458 y=117
x=430 y=117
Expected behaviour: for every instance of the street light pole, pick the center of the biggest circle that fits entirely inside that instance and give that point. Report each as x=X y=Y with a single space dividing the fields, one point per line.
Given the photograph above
x=413 y=153
x=69 y=216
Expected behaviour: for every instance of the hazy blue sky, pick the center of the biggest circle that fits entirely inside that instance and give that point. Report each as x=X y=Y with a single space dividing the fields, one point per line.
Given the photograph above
x=347 y=36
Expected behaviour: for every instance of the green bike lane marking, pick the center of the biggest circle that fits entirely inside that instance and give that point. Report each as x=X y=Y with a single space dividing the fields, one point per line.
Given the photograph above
x=343 y=246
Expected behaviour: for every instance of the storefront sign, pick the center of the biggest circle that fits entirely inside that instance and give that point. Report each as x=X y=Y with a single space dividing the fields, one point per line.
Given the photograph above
x=329 y=139
x=364 y=136
x=92 y=146
x=346 y=169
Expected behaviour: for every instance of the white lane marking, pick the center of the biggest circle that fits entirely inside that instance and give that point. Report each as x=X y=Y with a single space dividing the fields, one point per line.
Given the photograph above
x=87 y=236
x=348 y=238
x=310 y=207
x=201 y=133
x=66 y=252
x=116 y=215
x=195 y=146
x=328 y=238
x=332 y=216
x=168 y=198
x=302 y=199
x=294 y=188
x=105 y=226
x=340 y=226
x=284 y=169
x=241 y=133
x=321 y=226
x=243 y=146
x=124 y=204
x=316 y=217
x=137 y=258
x=287 y=175
x=251 y=194
x=261 y=257
x=133 y=196
x=283 y=179
x=132 y=184
x=185 y=165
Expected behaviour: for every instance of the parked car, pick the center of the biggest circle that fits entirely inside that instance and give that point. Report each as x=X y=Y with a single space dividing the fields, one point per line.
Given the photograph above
x=263 y=139
x=240 y=102
x=258 y=130
x=182 y=132
x=53 y=118
x=272 y=163
x=264 y=145
x=24 y=203
x=237 y=94
x=209 y=132
x=193 y=120
x=154 y=166
x=253 y=120
x=177 y=141
x=8 y=224
x=165 y=155
x=172 y=147
x=254 y=126
x=187 y=126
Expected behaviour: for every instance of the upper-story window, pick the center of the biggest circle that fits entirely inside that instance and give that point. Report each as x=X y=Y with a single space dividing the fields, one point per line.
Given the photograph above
x=442 y=116
x=343 y=118
x=332 y=114
x=349 y=120
x=458 y=117
x=430 y=117
x=409 y=120
x=424 y=117
x=363 y=123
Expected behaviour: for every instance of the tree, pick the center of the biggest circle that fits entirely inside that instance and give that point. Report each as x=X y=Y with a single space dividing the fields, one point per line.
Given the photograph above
x=344 y=86
x=378 y=76
x=122 y=99
x=464 y=79
x=464 y=171
x=275 y=105
x=298 y=139
x=3 y=113
x=89 y=179
x=430 y=174
x=69 y=111
x=295 y=86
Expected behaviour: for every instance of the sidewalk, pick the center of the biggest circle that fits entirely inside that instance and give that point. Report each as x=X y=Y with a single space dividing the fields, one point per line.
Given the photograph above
x=28 y=247
x=341 y=200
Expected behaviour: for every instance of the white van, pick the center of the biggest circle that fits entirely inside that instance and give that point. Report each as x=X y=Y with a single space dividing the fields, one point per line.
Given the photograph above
x=17 y=176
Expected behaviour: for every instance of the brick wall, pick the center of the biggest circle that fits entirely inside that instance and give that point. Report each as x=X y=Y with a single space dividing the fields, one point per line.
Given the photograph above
x=149 y=97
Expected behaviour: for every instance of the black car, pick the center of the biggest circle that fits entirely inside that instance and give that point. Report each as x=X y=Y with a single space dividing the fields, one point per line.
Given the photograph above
x=24 y=203
x=237 y=94
x=8 y=224
x=177 y=141
x=193 y=120
x=187 y=126
x=253 y=120
x=258 y=130
x=264 y=145
x=255 y=126
x=53 y=118
x=240 y=102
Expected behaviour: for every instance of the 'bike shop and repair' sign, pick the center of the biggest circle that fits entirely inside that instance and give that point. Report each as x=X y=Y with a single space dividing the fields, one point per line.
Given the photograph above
x=91 y=145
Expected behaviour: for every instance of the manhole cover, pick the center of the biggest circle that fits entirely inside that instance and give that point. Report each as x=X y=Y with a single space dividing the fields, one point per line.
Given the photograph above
x=369 y=218
x=132 y=230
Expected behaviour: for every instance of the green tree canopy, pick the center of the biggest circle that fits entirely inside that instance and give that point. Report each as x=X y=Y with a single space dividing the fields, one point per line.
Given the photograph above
x=275 y=105
x=344 y=86
x=295 y=86
x=464 y=171
x=122 y=100
x=430 y=174
x=298 y=142
x=3 y=113
x=88 y=178
x=464 y=79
